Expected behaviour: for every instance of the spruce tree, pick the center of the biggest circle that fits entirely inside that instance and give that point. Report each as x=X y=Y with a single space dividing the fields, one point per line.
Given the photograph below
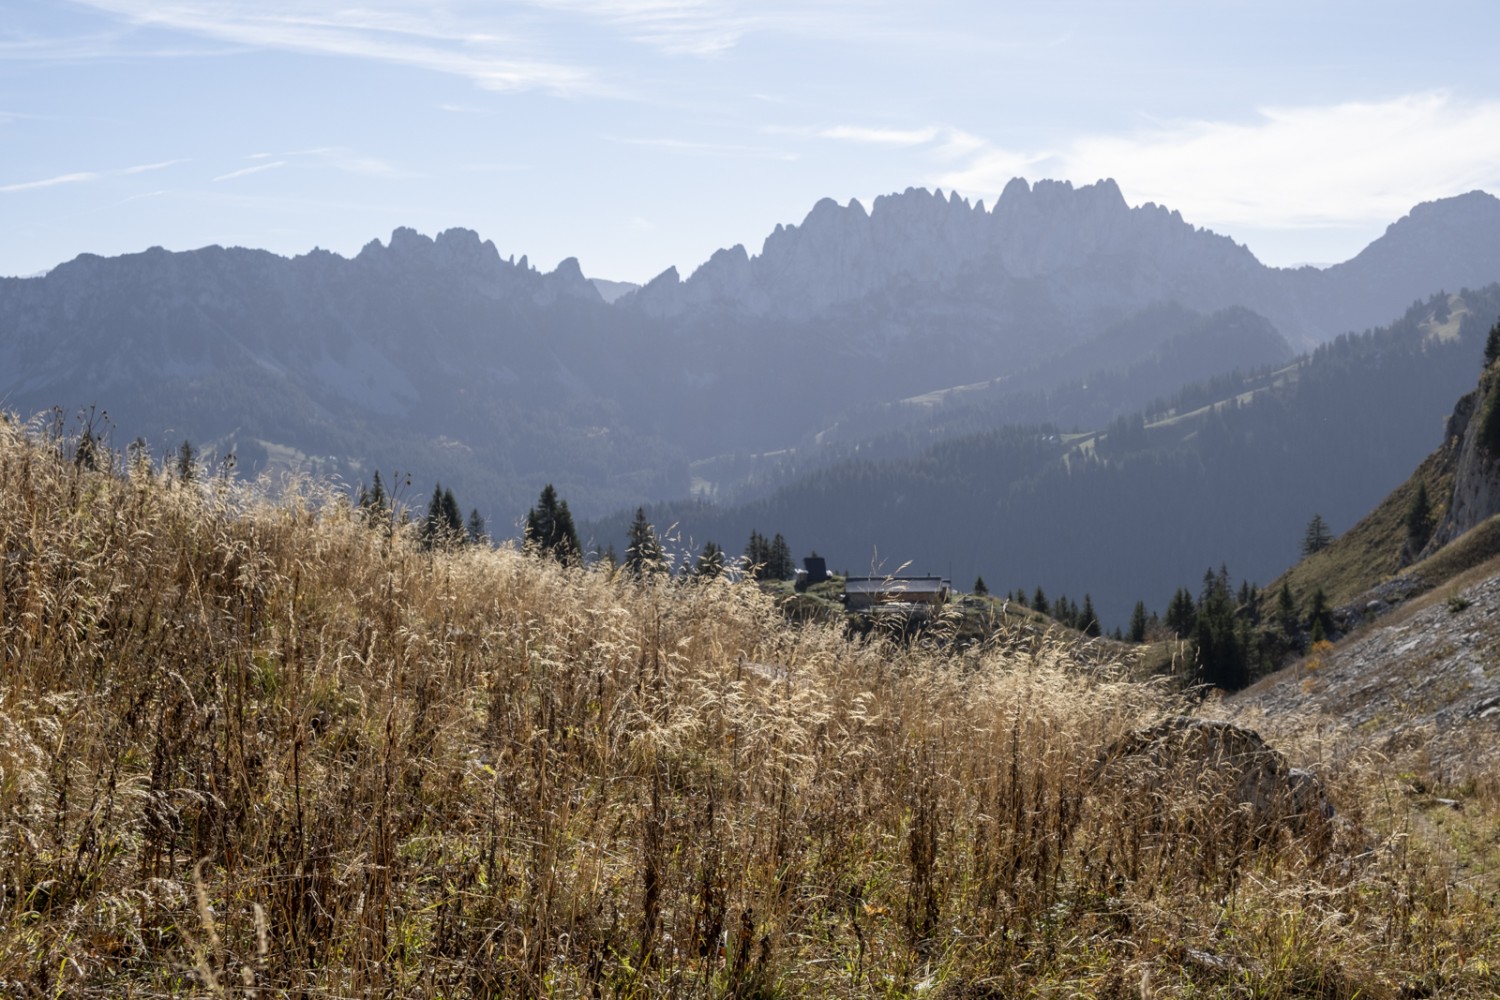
x=1182 y=614
x=980 y=590
x=1492 y=345
x=1221 y=656
x=710 y=561
x=550 y=530
x=1419 y=517
x=643 y=554
x=1087 y=619
x=758 y=555
x=187 y=462
x=1286 y=609
x=1039 y=601
x=477 y=533
x=1138 y=623
x=779 y=564
x=1316 y=537
x=1319 y=621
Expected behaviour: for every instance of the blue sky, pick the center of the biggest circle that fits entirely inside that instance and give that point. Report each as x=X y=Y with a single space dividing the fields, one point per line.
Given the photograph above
x=639 y=134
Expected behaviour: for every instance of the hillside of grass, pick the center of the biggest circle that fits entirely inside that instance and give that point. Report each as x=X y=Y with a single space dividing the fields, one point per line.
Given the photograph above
x=272 y=748
x=1378 y=547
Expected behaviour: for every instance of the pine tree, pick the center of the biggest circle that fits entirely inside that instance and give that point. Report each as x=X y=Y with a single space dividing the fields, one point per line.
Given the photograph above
x=1182 y=613
x=1221 y=655
x=1317 y=537
x=1492 y=345
x=1319 y=621
x=644 y=554
x=477 y=533
x=1419 y=516
x=1088 y=619
x=779 y=564
x=1138 y=623
x=1286 y=609
x=980 y=590
x=453 y=520
x=710 y=561
x=187 y=462
x=1039 y=601
x=550 y=530
x=757 y=555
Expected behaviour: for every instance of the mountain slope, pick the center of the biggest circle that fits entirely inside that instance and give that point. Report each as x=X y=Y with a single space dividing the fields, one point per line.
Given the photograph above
x=1229 y=474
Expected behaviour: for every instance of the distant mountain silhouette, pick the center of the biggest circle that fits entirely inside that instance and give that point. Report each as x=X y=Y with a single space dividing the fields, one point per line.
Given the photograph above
x=440 y=358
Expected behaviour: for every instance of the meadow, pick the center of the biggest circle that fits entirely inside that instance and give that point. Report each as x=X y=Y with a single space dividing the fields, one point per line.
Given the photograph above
x=255 y=741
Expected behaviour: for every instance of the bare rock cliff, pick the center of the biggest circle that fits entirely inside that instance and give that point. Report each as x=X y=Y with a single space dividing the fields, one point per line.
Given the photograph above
x=1476 y=483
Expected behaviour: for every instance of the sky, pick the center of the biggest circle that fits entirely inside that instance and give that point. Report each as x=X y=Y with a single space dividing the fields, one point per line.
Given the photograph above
x=641 y=134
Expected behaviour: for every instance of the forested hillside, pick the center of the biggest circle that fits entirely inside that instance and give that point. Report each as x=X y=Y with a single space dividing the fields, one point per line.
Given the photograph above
x=1227 y=472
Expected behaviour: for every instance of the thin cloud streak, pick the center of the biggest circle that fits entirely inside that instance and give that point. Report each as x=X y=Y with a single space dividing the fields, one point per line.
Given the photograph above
x=880 y=136
x=676 y=27
x=1296 y=168
x=147 y=167
x=713 y=149
x=246 y=171
x=74 y=178
x=417 y=37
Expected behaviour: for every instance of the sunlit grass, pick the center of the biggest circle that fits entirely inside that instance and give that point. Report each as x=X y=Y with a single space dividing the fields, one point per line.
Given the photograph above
x=254 y=747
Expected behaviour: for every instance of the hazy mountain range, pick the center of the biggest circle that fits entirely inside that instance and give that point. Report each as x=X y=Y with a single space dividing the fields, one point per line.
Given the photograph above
x=872 y=331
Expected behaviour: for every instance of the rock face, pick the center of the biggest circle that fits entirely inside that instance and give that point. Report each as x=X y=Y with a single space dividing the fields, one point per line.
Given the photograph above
x=1220 y=775
x=1476 y=481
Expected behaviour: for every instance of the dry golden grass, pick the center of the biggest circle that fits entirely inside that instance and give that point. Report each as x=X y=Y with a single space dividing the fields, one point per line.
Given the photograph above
x=259 y=748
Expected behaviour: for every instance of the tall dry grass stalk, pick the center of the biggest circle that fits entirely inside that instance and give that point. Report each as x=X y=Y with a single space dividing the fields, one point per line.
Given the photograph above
x=253 y=747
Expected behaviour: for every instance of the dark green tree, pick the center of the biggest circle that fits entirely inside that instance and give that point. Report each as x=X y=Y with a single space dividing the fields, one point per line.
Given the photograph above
x=1286 y=610
x=1182 y=613
x=1087 y=620
x=1317 y=536
x=1419 y=517
x=1492 y=345
x=710 y=561
x=1221 y=655
x=477 y=533
x=758 y=555
x=779 y=563
x=980 y=590
x=550 y=530
x=643 y=554
x=1319 y=619
x=1039 y=601
x=187 y=462
x=1138 y=623
x=443 y=525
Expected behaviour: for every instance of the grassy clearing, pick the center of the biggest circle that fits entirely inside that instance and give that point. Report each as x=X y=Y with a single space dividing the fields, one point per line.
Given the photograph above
x=266 y=749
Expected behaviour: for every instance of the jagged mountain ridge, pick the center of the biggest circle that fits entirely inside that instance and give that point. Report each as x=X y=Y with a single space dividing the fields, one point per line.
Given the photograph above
x=1057 y=238
x=441 y=357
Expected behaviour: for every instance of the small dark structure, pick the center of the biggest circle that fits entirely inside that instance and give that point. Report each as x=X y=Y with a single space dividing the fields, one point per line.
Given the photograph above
x=816 y=568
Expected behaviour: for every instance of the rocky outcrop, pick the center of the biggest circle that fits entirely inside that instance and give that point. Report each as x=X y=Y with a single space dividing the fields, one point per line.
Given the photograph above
x=1476 y=481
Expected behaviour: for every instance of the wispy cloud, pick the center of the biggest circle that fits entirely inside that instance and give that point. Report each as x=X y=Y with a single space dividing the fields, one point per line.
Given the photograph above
x=1340 y=165
x=880 y=136
x=74 y=178
x=692 y=148
x=685 y=27
x=246 y=171
x=945 y=141
x=462 y=39
x=148 y=167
